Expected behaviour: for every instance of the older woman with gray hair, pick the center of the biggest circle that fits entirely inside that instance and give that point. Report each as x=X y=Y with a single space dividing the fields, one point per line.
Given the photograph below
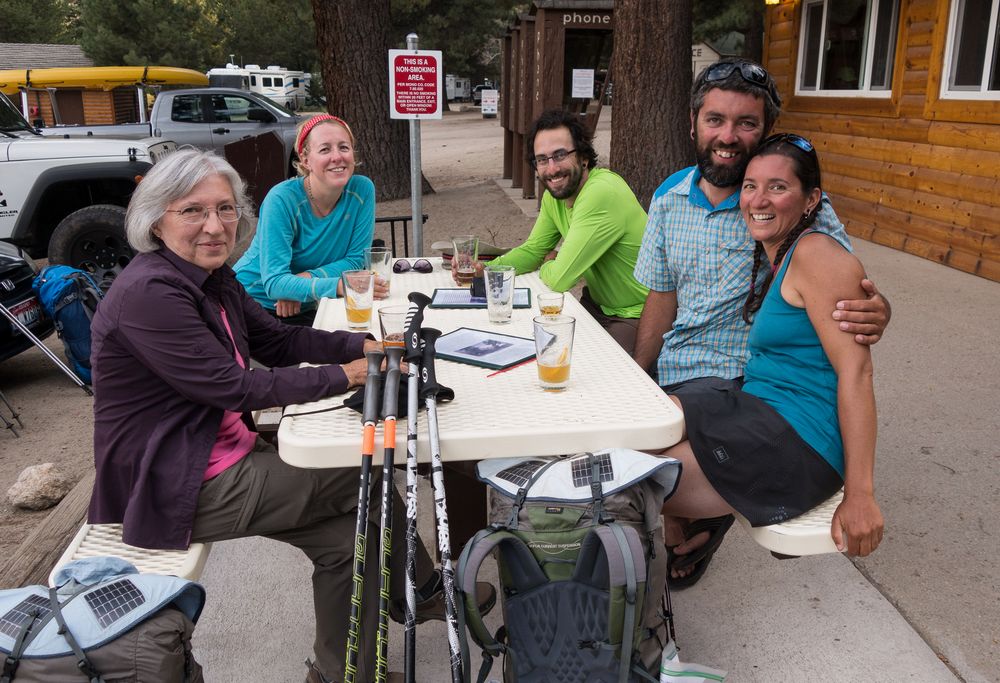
x=177 y=457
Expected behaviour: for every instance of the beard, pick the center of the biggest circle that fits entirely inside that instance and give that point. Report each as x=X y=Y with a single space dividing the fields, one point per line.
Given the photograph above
x=721 y=175
x=574 y=174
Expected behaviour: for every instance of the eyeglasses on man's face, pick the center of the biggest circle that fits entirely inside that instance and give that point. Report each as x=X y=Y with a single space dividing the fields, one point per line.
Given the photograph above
x=421 y=265
x=792 y=138
x=558 y=156
x=197 y=215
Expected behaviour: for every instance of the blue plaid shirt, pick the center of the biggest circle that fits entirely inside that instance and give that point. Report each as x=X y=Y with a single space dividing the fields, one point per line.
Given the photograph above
x=705 y=254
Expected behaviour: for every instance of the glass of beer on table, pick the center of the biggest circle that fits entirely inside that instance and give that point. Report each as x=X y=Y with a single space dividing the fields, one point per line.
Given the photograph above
x=463 y=260
x=359 y=289
x=550 y=303
x=554 y=350
x=392 y=320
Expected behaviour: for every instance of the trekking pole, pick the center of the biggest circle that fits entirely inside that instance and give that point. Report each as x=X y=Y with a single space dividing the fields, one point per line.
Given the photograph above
x=370 y=417
x=411 y=335
x=44 y=349
x=430 y=392
x=389 y=405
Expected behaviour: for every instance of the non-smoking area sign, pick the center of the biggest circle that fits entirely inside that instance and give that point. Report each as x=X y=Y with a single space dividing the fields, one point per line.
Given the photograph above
x=415 y=84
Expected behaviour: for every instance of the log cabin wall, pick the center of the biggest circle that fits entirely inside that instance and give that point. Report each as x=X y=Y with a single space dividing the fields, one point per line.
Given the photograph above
x=914 y=171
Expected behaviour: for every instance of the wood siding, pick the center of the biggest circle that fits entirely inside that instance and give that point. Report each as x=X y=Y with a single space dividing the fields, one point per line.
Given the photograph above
x=912 y=171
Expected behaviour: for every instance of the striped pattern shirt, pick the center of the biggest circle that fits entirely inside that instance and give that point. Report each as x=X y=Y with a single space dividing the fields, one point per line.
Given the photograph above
x=705 y=254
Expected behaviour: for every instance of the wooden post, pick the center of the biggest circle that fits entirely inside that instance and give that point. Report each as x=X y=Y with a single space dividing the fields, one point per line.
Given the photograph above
x=33 y=560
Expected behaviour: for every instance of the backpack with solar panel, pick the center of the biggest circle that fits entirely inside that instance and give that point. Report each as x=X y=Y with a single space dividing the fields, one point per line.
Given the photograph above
x=103 y=622
x=579 y=547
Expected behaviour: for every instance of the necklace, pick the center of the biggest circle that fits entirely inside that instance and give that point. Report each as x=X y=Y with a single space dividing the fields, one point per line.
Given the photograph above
x=312 y=199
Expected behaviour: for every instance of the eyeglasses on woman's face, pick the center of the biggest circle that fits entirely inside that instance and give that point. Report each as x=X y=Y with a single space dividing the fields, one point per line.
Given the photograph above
x=421 y=265
x=198 y=215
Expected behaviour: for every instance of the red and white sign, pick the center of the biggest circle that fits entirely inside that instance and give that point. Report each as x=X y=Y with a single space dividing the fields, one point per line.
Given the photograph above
x=415 y=84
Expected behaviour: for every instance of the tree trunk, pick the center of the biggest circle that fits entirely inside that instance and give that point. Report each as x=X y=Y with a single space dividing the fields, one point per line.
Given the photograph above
x=755 y=33
x=352 y=37
x=651 y=71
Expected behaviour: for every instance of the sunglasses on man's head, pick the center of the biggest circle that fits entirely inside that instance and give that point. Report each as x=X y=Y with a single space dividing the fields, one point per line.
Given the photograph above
x=792 y=138
x=751 y=73
x=421 y=265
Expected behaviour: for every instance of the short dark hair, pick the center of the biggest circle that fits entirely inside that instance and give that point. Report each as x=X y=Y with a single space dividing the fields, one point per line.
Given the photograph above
x=735 y=82
x=560 y=118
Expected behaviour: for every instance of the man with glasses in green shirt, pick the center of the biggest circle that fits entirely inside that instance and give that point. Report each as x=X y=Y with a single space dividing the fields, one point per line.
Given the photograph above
x=597 y=217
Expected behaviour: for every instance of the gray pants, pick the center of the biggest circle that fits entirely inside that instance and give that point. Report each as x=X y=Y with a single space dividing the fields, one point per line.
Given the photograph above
x=314 y=510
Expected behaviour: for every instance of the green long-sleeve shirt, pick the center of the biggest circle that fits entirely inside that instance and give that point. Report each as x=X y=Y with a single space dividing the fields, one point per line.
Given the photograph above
x=601 y=236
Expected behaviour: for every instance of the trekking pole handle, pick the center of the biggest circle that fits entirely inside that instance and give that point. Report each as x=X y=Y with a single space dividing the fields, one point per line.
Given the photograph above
x=372 y=384
x=390 y=391
x=414 y=319
x=430 y=386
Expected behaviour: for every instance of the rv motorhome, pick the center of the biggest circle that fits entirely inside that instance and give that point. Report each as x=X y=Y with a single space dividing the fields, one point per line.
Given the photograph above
x=288 y=88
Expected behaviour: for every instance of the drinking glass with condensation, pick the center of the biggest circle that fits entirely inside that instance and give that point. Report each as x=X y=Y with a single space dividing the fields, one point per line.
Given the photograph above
x=463 y=260
x=550 y=303
x=392 y=320
x=499 y=293
x=359 y=288
x=554 y=350
x=379 y=261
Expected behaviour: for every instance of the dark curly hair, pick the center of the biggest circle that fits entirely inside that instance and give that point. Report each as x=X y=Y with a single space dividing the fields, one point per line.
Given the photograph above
x=559 y=118
x=805 y=165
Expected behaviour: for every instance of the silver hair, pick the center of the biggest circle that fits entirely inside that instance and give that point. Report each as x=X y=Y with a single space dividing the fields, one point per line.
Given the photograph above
x=173 y=178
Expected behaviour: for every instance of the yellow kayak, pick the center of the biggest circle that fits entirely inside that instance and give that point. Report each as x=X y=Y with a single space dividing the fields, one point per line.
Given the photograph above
x=98 y=77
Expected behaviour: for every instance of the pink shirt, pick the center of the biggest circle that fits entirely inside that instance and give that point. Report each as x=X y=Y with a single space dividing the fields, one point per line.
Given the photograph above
x=234 y=441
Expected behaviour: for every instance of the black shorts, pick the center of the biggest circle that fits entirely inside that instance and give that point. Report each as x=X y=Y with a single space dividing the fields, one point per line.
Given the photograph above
x=752 y=457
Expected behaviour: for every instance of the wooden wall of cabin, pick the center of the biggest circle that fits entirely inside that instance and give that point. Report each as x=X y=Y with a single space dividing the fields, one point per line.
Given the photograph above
x=912 y=172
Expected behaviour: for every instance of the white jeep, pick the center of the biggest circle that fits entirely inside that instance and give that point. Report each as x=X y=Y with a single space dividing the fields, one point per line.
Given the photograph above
x=65 y=198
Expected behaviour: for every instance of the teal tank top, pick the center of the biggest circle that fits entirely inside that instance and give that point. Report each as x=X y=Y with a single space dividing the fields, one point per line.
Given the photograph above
x=789 y=371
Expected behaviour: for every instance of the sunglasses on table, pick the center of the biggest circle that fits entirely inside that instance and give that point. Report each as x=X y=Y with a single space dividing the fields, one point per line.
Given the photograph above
x=421 y=265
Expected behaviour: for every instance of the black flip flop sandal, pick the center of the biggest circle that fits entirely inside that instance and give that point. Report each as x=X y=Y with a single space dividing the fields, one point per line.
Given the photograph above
x=701 y=556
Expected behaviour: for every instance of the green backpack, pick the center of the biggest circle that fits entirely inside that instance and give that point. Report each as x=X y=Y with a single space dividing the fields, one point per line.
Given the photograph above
x=582 y=566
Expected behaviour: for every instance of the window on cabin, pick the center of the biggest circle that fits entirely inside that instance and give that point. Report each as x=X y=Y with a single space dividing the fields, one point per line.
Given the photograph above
x=973 y=50
x=847 y=47
x=266 y=81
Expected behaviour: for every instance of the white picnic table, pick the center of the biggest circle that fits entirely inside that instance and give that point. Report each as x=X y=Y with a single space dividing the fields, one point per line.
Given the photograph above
x=610 y=401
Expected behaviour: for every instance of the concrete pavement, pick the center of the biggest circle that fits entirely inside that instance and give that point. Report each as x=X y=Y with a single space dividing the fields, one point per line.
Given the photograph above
x=928 y=594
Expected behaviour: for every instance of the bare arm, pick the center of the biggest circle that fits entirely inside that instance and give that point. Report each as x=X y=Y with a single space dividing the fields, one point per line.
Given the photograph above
x=657 y=318
x=866 y=318
x=821 y=274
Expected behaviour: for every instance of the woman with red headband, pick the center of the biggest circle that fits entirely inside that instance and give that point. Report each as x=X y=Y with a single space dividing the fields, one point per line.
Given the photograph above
x=313 y=227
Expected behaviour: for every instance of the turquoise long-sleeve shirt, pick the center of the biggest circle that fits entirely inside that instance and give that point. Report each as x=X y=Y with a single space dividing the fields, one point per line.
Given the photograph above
x=601 y=236
x=291 y=239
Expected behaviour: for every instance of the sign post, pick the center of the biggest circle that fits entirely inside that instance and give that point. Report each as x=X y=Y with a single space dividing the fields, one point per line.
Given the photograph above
x=414 y=94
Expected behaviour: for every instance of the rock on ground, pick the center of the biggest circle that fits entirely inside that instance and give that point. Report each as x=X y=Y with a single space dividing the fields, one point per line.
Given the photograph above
x=39 y=487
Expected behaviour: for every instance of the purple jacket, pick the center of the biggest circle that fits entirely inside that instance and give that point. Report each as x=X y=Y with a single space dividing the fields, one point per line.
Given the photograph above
x=164 y=371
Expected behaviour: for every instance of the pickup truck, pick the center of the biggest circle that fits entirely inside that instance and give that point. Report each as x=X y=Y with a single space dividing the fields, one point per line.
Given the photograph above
x=208 y=118
x=66 y=198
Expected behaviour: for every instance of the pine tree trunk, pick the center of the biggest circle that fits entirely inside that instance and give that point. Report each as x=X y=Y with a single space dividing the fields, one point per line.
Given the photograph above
x=352 y=37
x=651 y=71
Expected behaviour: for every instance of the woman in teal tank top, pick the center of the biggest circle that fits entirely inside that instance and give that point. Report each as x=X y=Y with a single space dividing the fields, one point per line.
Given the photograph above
x=802 y=422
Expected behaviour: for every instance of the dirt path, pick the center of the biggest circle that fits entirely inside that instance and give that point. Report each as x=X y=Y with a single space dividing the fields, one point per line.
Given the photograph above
x=462 y=155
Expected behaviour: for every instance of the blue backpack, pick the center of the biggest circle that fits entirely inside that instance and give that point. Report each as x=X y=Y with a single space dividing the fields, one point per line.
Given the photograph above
x=70 y=297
